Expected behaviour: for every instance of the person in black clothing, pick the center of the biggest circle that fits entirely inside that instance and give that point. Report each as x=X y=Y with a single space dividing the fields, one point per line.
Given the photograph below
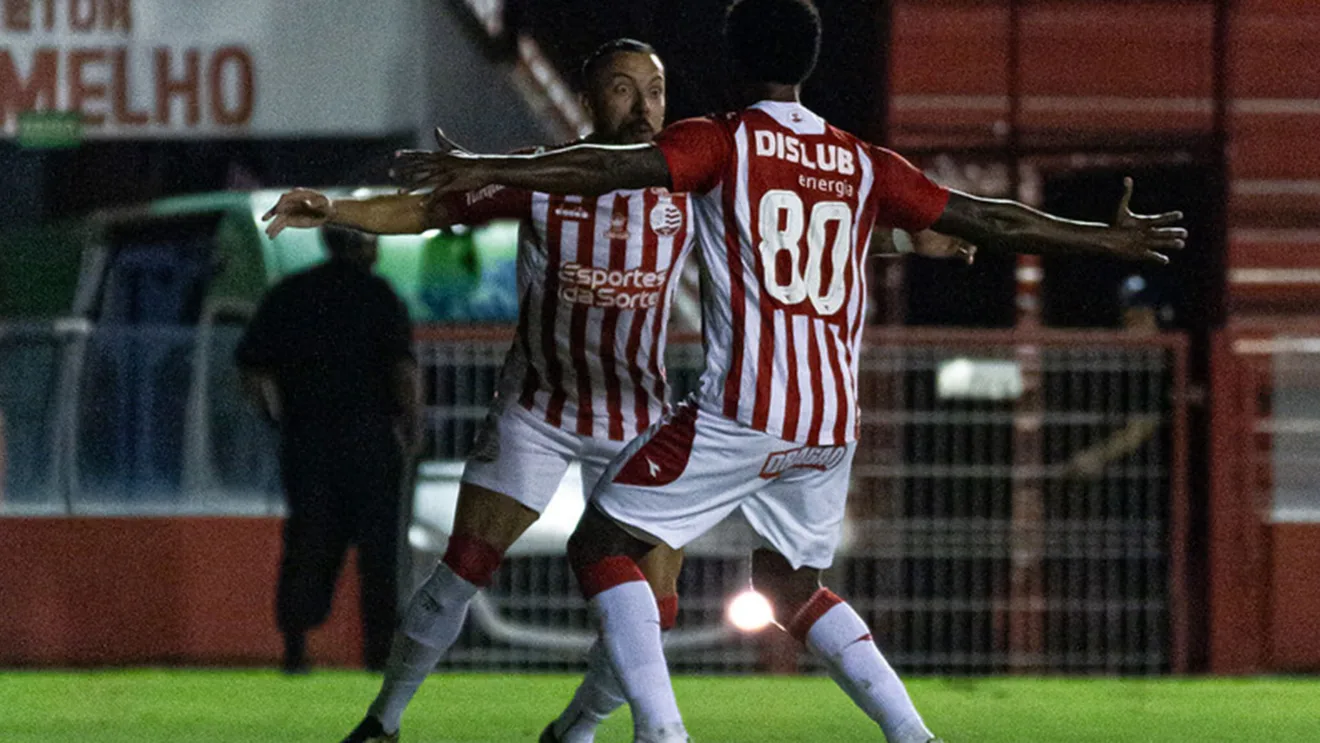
x=328 y=358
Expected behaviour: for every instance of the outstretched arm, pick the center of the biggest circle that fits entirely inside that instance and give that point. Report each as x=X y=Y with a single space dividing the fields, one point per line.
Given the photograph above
x=394 y=214
x=925 y=243
x=586 y=169
x=998 y=224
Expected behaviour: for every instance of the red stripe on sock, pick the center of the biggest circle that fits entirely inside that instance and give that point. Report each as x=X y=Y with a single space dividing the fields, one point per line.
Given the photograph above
x=820 y=602
x=472 y=559
x=668 y=606
x=606 y=574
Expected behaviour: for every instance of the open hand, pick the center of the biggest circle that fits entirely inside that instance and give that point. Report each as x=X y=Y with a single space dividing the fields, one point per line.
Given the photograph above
x=446 y=169
x=301 y=207
x=1144 y=237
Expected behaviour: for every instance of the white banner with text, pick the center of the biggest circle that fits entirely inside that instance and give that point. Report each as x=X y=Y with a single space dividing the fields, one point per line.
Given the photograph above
x=185 y=69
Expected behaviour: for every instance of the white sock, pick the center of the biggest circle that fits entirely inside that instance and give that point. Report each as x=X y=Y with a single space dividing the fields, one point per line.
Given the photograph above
x=630 y=632
x=430 y=625
x=596 y=697
x=843 y=641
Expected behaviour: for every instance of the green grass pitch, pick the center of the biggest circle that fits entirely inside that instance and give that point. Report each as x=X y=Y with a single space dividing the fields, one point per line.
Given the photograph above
x=149 y=706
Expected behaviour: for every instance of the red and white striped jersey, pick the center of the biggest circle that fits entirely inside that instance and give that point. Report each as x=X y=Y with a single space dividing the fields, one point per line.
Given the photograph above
x=784 y=205
x=596 y=279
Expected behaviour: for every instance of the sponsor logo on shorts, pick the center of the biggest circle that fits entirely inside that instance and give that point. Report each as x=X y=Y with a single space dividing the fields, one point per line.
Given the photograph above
x=806 y=457
x=633 y=289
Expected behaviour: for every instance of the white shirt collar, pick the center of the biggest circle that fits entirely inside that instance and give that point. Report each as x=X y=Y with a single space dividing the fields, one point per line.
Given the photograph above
x=795 y=116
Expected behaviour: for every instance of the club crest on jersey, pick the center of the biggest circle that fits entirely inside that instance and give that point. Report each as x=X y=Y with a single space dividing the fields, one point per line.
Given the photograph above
x=618 y=227
x=822 y=156
x=666 y=218
x=806 y=457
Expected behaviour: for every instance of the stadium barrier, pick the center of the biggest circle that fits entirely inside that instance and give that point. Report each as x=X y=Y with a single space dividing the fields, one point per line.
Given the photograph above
x=966 y=553
x=1018 y=501
x=1265 y=499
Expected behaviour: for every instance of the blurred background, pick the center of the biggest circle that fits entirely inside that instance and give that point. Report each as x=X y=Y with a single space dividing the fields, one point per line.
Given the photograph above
x=1067 y=466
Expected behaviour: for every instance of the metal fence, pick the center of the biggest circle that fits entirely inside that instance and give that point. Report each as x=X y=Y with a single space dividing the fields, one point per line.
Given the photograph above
x=1014 y=501
x=1017 y=501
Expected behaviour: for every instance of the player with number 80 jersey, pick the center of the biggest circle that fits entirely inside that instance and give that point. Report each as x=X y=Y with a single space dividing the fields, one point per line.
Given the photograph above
x=784 y=312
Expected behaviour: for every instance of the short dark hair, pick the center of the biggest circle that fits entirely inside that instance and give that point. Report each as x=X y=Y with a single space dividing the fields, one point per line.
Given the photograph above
x=773 y=41
x=342 y=240
x=598 y=59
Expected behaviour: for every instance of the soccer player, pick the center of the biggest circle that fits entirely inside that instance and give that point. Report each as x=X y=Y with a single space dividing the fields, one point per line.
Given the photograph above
x=784 y=204
x=583 y=376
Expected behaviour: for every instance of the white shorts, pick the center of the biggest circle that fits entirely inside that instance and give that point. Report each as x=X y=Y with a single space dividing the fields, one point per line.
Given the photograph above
x=694 y=468
x=519 y=455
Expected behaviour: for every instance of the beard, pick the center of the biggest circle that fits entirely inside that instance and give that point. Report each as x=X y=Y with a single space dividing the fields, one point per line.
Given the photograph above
x=638 y=131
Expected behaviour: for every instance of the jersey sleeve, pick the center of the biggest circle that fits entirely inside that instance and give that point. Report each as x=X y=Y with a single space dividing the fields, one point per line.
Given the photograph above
x=907 y=199
x=482 y=205
x=697 y=152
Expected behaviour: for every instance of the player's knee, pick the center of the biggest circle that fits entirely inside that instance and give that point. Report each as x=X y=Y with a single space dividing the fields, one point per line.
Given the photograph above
x=662 y=566
x=583 y=546
x=668 y=606
x=498 y=518
x=788 y=589
x=598 y=537
x=472 y=558
x=603 y=555
x=800 y=622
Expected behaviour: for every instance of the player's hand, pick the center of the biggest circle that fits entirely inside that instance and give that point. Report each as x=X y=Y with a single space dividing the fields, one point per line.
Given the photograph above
x=446 y=169
x=1143 y=237
x=301 y=207
x=931 y=244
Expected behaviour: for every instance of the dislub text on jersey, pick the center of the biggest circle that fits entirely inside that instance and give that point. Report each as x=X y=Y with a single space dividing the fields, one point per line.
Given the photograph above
x=829 y=158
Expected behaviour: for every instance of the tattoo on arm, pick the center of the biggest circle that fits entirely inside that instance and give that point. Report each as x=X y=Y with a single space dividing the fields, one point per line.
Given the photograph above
x=1001 y=224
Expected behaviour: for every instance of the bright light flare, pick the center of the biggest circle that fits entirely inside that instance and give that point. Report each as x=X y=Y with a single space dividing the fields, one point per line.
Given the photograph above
x=750 y=612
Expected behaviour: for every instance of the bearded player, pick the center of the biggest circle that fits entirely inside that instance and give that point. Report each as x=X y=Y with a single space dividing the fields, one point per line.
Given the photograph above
x=585 y=373
x=784 y=205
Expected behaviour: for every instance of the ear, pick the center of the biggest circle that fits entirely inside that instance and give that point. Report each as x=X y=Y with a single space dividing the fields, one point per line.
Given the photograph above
x=584 y=101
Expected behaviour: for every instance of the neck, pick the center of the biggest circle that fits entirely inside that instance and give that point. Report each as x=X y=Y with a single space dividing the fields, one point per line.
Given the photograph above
x=776 y=92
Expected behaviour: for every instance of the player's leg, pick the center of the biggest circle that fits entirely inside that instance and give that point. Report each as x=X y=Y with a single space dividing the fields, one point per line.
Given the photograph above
x=486 y=524
x=670 y=485
x=600 y=693
x=800 y=515
x=506 y=484
x=605 y=556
